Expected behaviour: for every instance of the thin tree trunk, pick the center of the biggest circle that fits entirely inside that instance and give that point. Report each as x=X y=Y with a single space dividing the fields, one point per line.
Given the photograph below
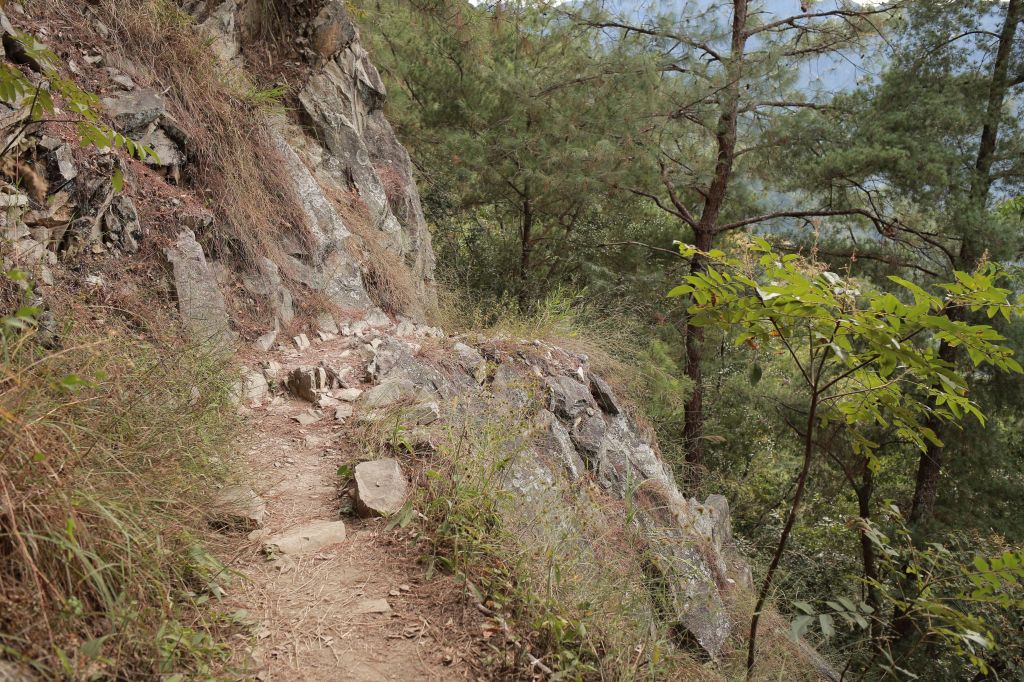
x=693 y=424
x=525 y=251
x=867 y=552
x=794 y=509
x=929 y=469
x=704 y=237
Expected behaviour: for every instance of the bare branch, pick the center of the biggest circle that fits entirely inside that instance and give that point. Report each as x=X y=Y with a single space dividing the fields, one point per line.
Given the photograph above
x=641 y=244
x=816 y=213
x=793 y=22
x=654 y=33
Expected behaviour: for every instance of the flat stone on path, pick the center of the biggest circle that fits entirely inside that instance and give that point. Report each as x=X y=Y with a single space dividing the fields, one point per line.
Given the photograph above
x=307 y=538
x=373 y=606
x=380 y=487
x=237 y=507
x=308 y=417
x=346 y=394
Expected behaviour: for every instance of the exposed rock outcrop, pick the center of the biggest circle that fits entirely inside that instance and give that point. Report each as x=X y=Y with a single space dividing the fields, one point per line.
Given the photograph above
x=568 y=436
x=352 y=149
x=200 y=300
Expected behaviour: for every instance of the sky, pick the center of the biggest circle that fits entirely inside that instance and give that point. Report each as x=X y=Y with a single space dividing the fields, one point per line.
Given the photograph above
x=825 y=75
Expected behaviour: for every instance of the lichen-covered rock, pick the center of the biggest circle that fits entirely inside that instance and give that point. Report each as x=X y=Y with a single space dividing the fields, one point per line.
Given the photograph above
x=133 y=112
x=568 y=397
x=266 y=283
x=471 y=361
x=121 y=228
x=549 y=456
x=344 y=102
x=555 y=440
x=333 y=270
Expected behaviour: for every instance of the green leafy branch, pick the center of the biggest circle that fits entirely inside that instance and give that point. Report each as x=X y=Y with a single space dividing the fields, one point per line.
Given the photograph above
x=865 y=359
x=16 y=88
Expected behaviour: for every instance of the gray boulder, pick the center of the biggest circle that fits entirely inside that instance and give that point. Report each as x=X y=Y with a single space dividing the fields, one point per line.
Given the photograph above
x=381 y=488
x=133 y=112
x=471 y=361
x=391 y=392
x=120 y=225
x=307 y=382
x=603 y=394
x=568 y=398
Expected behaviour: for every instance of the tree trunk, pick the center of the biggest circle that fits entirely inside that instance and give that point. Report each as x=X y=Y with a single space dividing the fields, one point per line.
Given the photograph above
x=693 y=424
x=929 y=469
x=704 y=237
x=794 y=510
x=525 y=251
x=867 y=552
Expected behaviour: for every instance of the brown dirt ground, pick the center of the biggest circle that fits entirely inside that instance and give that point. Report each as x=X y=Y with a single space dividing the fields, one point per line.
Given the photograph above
x=306 y=608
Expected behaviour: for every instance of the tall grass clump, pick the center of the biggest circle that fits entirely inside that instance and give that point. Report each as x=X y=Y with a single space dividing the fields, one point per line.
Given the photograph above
x=560 y=571
x=110 y=446
x=611 y=339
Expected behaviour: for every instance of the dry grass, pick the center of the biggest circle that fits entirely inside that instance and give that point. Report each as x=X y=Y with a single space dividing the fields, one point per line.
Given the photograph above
x=779 y=658
x=392 y=180
x=389 y=282
x=610 y=342
x=108 y=456
x=561 y=569
x=233 y=164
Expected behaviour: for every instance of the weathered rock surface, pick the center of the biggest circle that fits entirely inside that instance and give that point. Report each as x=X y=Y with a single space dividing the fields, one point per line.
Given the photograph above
x=200 y=300
x=266 y=283
x=344 y=102
x=568 y=397
x=305 y=539
x=353 y=149
x=307 y=382
x=237 y=508
x=254 y=386
x=381 y=487
x=584 y=434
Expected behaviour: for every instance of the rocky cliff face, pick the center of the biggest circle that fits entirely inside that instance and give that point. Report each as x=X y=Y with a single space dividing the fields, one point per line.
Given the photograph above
x=574 y=441
x=342 y=142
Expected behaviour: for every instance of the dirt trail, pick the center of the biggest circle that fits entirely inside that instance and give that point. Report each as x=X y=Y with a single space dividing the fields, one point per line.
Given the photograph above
x=316 y=612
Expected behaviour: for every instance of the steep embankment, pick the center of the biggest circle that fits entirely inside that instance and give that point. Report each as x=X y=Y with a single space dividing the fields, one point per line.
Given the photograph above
x=531 y=528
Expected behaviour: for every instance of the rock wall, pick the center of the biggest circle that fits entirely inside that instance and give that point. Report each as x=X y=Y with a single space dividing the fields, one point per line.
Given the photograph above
x=342 y=142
